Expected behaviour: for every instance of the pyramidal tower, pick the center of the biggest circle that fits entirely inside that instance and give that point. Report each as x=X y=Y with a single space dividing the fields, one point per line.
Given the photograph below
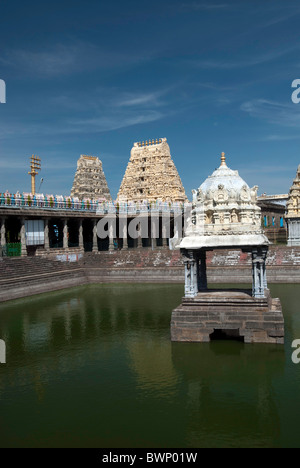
x=89 y=180
x=293 y=212
x=151 y=174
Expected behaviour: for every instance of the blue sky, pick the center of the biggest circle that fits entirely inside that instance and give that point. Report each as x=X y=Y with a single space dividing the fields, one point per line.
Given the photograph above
x=94 y=77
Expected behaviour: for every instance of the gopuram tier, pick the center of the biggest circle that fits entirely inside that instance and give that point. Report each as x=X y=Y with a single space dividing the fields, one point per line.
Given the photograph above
x=293 y=212
x=151 y=174
x=89 y=180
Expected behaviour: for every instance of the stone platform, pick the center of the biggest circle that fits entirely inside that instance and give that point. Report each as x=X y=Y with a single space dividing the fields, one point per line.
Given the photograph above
x=234 y=312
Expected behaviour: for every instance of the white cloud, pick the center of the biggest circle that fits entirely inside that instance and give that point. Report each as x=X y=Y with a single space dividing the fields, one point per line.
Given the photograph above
x=280 y=138
x=205 y=6
x=287 y=115
x=66 y=58
x=114 y=122
x=135 y=100
x=242 y=62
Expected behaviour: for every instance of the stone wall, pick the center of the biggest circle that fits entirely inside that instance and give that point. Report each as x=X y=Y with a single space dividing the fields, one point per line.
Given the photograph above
x=21 y=277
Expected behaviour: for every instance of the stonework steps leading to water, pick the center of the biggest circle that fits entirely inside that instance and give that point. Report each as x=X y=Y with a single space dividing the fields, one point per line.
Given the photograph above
x=20 y=277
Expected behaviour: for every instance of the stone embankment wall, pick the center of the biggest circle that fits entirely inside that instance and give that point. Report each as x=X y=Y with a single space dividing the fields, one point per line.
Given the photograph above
x=20 y=277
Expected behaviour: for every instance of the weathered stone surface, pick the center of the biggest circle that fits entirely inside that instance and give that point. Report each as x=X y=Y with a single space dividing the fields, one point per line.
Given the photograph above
x=247 y=316
x=90 y=181
x=293 y=212
x=151 y=175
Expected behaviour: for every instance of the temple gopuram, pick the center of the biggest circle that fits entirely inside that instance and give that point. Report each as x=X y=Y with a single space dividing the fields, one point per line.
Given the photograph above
x=293 y=212
x=90 y=181
x=151 y=174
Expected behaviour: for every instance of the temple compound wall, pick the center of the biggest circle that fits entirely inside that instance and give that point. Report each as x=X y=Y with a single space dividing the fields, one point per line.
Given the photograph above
x=151 y=174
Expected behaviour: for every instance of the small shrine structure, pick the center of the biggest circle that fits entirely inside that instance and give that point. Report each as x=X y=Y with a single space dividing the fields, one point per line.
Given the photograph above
x=225 y=215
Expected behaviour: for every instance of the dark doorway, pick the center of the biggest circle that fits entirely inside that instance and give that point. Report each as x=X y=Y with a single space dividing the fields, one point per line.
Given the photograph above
x=226 y=334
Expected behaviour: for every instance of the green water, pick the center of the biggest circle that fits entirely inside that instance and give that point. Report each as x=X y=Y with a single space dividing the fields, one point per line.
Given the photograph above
x=94 y=367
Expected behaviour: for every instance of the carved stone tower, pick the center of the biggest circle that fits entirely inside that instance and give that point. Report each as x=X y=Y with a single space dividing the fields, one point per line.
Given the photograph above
x=293 y=211
x=90 y=181
x=151 y=174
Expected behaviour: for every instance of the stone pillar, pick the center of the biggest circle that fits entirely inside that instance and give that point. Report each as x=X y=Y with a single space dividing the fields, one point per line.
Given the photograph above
x=139 y=242
x=164 y=229
x=264 y=255
x=111 y=246
x=259 y=283
x=154 y=230
x=123 y=230
x=255 y=274
x=191 y=277
x=95 y=237
x=261 y=277
x=153 y=243
x=80 y=237
x=125 y=243
x=65 y=231
x=23 y=238
x=3 y=233
x=46 y=235
x=201 y=271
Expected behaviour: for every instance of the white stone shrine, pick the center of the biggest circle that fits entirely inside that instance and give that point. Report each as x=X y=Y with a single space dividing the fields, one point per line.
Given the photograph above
x=225 y=215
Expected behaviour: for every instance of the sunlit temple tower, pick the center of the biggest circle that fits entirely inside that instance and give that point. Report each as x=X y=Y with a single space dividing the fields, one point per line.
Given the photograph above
x=225 y=215
x=90 y=181
x=293 y=212
x=151 y=174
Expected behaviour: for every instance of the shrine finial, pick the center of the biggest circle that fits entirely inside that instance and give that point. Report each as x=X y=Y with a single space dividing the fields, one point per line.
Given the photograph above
x=223 y=159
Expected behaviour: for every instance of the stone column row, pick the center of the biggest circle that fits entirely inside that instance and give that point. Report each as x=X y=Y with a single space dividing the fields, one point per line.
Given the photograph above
x=66 y=237
x=80 y=236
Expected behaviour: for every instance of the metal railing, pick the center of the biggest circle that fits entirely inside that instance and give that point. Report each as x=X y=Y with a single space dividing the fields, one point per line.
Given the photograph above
x=100 y=206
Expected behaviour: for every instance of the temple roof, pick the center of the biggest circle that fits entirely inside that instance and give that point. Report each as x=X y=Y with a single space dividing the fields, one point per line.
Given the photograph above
x=225 y=213
x=223 y=176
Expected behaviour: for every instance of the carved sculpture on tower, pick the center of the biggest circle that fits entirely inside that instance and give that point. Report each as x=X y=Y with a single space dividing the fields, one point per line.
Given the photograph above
x=90 y=181
x=151 y=174
x=293 y=212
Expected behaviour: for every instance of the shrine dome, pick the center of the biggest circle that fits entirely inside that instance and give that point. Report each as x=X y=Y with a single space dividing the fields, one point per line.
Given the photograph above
x=224 y=213
x=224 y=176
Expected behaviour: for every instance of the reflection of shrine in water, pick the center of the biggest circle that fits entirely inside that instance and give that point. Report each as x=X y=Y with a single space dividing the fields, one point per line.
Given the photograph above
x=103 y=354
x=230 y=392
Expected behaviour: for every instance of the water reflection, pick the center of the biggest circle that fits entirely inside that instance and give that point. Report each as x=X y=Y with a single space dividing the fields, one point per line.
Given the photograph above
x=230 y=391
x=94 y=366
